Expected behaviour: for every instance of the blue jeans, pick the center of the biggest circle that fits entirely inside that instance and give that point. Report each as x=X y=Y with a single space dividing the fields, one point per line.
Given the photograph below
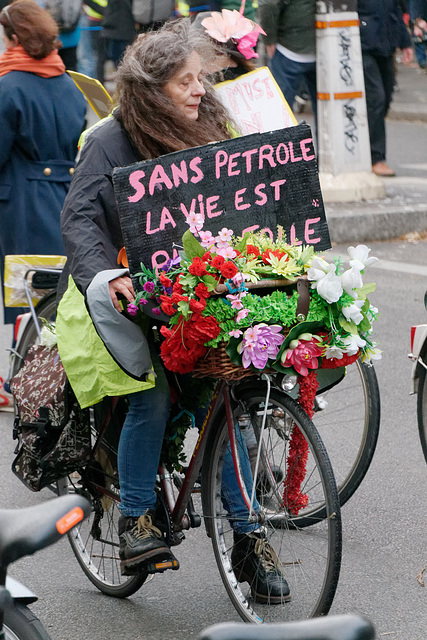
x=290 y=75
x=139 y=454
x=140 y=445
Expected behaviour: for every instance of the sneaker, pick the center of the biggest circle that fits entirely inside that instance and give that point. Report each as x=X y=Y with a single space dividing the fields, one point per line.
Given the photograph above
x=143 y=547
x=255 y=561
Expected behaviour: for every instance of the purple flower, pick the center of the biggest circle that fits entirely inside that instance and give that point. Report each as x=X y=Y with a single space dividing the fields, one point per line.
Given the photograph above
x=156 y=311
x=142 y=301
x=132 y=309
x=260 y=343
x=149 y=287
x=171 y=263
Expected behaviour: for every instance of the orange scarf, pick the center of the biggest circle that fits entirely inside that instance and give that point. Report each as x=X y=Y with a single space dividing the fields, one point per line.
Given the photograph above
x=16 y=59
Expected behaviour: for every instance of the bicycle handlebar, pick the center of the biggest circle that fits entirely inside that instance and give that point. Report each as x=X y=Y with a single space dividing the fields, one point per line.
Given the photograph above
x=345 y=627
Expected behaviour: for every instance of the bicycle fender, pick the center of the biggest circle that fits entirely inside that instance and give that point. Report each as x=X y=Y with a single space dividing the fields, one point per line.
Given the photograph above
x=20 y=592
x=419 y=349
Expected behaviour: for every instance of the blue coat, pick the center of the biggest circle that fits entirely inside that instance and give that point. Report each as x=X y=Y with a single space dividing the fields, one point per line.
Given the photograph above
x=40 y=123
x=382 y=29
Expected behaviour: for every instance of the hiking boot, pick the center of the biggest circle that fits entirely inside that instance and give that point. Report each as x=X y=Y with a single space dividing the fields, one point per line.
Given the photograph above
x=255 y=561
x=143 y=547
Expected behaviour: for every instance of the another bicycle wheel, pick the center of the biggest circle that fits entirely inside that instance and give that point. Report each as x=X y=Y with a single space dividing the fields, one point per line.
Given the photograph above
x=347 y=418
x=46 y=309
x=95 y=541
x=20 y=623
x=311 y=557
x=422 y=409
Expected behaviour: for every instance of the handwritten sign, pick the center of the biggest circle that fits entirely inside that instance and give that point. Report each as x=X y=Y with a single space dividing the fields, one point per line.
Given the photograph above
x=255 y=182
x=256 y=102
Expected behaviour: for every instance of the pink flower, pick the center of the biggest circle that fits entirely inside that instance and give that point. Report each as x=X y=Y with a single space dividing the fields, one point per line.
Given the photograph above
x=132 y=309
x=225 y=235
x=235 y=333
x=242 y=314
x=195 y=220
x=235 y=299
x=207 y=239
x=245 y=45
x=303 y=356
x=226 y=252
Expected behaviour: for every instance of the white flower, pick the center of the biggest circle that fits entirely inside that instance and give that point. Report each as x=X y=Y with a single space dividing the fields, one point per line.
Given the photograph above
x=329 y=287
x=372 y=353
x=318 y=269
x=333 y=352
x=48 y=337
x=359 y=257
x=353 y=343
x=352 y=311
x=351 y=279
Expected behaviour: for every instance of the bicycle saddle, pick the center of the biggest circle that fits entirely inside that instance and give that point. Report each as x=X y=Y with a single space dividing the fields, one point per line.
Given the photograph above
x=343 y=627
x=25 y=531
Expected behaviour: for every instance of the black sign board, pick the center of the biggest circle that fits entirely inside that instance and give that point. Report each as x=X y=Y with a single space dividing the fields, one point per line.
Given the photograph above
x=254 y=182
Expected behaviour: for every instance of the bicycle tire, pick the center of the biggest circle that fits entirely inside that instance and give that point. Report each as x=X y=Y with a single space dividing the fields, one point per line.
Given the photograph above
x=313 y=555
x=349 y=427
x=95 y=541
x=20 y=623
x=46 y=309
x=422 y=410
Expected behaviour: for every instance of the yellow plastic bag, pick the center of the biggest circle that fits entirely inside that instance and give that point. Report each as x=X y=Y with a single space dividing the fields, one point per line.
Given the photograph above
x=15 y=268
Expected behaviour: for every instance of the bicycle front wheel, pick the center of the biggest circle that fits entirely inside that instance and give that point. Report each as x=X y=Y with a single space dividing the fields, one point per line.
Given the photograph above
x=310 y=558
x=20 y=623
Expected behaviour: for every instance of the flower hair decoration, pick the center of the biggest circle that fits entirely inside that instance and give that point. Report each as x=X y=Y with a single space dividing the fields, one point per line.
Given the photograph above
x=232 y=25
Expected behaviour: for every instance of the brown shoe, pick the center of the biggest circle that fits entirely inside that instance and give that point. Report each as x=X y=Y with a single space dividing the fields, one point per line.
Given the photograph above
x=382 y=169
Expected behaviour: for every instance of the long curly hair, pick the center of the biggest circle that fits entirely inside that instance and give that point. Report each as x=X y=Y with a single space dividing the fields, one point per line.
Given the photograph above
x=34 y=27
x=153 y=122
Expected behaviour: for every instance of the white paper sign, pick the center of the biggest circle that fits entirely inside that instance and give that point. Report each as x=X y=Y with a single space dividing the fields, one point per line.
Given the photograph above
x=256 y=102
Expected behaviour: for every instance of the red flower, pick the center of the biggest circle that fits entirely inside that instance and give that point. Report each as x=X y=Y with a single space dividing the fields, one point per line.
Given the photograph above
x=252 y=250
x=176 y=297
x=332 y=363
x=266 y=256
x=197 y=306
x=229 y=269
x=197 y=267
x=201 y=290
x=167 y=306
x=207 y=256
x=217 y=262
x=177 y=288
x=166 y=282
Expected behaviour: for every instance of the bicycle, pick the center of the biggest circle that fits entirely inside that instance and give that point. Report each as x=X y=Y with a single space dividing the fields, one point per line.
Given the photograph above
x=347 y=412
x=22 y=533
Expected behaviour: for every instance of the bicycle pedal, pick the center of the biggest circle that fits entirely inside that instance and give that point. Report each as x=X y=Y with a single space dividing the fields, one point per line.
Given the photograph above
x=159 y=567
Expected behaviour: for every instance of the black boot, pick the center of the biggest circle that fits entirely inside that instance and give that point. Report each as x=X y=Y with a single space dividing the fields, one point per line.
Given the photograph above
x=143 y=547
x=255 y=561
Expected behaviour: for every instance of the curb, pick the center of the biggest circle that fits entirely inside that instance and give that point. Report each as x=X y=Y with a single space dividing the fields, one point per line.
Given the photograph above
x=408 y=113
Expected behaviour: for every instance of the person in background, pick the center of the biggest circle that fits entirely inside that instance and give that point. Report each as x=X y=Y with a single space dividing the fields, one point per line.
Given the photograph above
x=42 y=114
x=290 y=43
x=418 y=17
x=382 y=31
x=90 y=50
x=118 y=29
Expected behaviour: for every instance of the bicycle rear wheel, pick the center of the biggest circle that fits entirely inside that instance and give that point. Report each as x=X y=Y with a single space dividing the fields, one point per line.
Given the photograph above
x=95 y=542
x=311 y=557
x=46 y=309
x=20 y=623
x=347 y=418
x=422 y=409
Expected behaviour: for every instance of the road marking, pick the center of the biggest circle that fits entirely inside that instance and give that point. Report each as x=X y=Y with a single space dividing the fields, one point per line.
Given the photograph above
x=389 y=265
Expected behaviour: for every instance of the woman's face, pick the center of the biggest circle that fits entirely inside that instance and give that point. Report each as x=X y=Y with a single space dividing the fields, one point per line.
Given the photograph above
x=185 y=89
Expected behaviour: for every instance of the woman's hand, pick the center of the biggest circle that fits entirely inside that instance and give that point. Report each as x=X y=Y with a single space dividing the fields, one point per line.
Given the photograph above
x=122 y=285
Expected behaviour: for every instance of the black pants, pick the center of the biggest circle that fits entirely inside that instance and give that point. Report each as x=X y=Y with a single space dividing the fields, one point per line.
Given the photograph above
x=379 y=83
x=69 y=57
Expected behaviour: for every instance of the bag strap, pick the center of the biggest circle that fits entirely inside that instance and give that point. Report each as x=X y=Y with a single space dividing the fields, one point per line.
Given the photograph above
x=303 y=288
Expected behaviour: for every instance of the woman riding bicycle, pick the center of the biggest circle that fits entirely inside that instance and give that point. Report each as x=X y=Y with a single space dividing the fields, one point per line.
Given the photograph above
x=165 y=104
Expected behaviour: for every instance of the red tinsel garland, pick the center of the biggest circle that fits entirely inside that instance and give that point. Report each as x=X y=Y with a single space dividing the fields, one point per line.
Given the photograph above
x=293 y=499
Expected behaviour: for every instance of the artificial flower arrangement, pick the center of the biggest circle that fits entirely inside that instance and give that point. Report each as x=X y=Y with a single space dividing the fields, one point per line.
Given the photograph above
x=259 y=332
x=209 y=294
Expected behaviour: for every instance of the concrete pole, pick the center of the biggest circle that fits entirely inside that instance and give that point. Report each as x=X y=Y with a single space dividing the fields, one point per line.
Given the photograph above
x=343 y=136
